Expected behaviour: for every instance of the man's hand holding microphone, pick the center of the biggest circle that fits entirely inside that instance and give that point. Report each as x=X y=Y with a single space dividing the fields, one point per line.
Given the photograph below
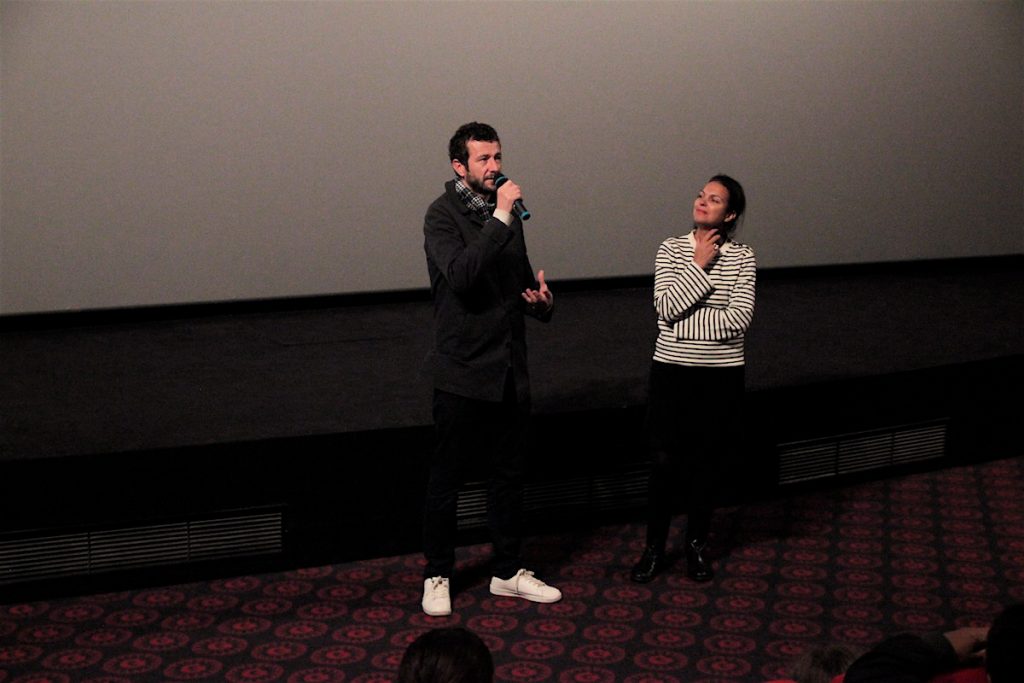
x=510 y=197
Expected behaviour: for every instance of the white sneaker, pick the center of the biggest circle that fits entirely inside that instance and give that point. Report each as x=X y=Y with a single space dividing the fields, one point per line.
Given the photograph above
x=437 y=600
x=525 y=585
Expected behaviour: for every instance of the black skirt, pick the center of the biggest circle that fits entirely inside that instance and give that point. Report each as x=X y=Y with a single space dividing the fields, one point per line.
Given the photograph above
x=694 y=410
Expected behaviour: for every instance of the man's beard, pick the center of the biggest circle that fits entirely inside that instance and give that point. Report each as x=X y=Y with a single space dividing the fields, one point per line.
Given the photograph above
x=477 y=185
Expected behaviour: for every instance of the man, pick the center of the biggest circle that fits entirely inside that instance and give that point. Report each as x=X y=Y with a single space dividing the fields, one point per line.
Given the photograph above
x=482 y=285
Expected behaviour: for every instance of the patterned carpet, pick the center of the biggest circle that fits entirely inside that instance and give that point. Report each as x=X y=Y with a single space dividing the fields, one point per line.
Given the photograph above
x=927 y=551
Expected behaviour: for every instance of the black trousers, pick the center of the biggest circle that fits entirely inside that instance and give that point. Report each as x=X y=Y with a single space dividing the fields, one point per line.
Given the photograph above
x=480 y=437
x=693 y=431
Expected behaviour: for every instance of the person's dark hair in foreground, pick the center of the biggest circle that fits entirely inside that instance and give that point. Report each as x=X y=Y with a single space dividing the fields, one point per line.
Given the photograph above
x=822 y=664
x=447 y=655
x=1004 y=649
x=913 y=659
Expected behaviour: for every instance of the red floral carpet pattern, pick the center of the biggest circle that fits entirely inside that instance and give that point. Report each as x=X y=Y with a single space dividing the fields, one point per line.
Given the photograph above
x=925 y=552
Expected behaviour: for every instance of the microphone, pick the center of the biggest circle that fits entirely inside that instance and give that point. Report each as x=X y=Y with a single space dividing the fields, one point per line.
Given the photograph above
x=519 y=208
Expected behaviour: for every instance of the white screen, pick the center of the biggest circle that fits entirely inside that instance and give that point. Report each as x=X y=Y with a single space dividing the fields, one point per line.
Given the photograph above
x=177 y=152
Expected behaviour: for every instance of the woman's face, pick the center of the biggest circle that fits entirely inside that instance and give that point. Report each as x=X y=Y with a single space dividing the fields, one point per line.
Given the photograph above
x=711 y=208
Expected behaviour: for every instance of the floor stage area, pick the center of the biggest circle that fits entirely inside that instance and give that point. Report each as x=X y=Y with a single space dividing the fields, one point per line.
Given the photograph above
x=322 y=413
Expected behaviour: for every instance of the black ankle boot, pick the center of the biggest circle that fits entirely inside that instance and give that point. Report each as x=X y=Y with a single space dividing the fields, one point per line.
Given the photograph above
x=651 y=563
x=698 y=566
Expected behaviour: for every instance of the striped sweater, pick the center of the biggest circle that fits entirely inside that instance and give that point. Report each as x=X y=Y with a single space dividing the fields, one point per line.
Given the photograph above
x=702 y=315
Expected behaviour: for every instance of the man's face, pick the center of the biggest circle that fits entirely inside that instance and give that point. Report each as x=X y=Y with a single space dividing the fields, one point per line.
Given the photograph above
x=482 y=167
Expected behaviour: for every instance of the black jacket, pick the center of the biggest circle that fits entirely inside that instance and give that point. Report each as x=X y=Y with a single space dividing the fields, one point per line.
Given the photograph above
x=478 y=272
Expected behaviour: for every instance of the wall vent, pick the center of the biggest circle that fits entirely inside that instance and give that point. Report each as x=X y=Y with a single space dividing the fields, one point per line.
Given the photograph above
x=92 y=551
x=471 y=510
x=833 y=456
x=563 y=495
x=610 y=491
x=623 y=490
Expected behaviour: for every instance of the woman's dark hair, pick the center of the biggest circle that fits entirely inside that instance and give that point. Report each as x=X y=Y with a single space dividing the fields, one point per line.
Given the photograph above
x=1004 y=651
x=447 y=655
x=737 y=199
x=457 y=149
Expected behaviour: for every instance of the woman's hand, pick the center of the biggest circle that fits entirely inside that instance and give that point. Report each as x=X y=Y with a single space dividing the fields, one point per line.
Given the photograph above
x=705 y=250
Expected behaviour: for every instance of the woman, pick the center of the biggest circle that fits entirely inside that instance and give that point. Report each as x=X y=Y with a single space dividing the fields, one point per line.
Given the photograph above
x=704 y=296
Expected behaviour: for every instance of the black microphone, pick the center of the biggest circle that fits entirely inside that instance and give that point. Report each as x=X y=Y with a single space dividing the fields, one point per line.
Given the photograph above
x=519 y=208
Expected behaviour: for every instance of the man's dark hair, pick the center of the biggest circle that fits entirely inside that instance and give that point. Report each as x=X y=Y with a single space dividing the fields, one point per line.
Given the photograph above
x=1004 y=651
x=457 y=149
x=447 y=655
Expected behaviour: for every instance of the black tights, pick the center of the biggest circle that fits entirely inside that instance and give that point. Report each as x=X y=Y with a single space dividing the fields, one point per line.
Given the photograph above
x=694 y=421
x=698 y=484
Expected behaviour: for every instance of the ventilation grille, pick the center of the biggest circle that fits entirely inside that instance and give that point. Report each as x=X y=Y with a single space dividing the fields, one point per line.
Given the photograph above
x=863 y=451
x=97 y=551
x=471 y=510
x=567 y=496
x=620 y=490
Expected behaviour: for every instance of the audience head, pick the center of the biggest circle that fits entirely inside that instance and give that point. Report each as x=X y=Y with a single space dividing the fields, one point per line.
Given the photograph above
x=447 y=655
x=1004 y=649
x=822 y=664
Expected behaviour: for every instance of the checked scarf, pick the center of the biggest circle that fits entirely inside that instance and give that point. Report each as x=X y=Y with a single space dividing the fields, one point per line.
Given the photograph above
x=472 y=200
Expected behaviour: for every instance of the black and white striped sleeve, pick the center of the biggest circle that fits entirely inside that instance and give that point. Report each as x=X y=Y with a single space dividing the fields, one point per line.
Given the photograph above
x=679 y=283
x=728 y=312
